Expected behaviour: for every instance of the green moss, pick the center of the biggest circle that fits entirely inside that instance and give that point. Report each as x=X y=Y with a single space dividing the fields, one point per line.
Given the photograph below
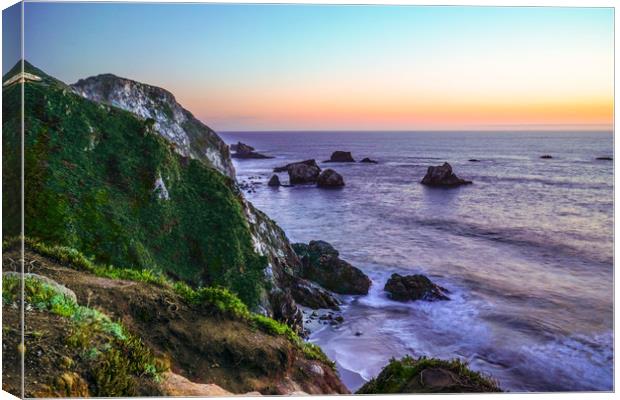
x=90 y=173
x=403 y=376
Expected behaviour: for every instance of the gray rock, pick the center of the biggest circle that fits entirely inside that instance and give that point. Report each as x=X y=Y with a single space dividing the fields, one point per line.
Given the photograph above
x=274 y=181
x=341 y=156
x=414 y=287
x=61 y=289
x=303 y=173
x=330 y=179
x=368 y=161
x=442 y=176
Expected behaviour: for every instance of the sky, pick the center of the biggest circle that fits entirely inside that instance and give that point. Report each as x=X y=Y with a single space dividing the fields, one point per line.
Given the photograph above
x=316 y=67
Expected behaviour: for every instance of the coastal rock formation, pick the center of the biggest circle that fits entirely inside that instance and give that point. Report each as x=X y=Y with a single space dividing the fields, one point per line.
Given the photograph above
x=546 y=156
x=242 y=150
x=413 y=287
x=285 y=168
x=274 y=181
x=428 y=375
x=368 y=161
x=191 y=138
x=341 y=156
x=442 y=175
x=329 y=179
x=310 y=295
x=303 y=173
x=321 y=264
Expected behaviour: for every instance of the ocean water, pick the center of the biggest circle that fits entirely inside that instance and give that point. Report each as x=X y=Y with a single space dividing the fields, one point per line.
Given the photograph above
x=526 y=251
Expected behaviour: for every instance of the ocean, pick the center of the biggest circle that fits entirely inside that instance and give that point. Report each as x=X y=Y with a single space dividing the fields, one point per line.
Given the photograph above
x=526 y=251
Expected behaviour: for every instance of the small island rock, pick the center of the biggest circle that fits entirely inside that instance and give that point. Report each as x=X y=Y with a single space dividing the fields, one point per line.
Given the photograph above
x=442 y=175
x=243 y=150
x=605 y=158
x=285 y=168
x=303 y=173
x=274 y=181
x=341 y=156
x=546 y=156
x=413 y=287
x=368 y=161
x=330 y=178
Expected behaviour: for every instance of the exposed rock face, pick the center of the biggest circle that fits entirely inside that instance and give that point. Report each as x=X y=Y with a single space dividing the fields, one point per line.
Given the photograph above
x=442 y=175
x=310 y=295
x=341 y=156
x=413 y=287
x=242 y=150
x=303 y=173
x=274 y=181
x=368 y=161
x=285 y=168
x=546 y=157
x=321 y=264
x=329 y=179
x=191 y=137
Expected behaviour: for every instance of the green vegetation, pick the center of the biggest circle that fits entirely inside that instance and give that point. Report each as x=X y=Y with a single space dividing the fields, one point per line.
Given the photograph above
x=217 y=299
x=115 y=356
x=91 y=171
x=404 y=376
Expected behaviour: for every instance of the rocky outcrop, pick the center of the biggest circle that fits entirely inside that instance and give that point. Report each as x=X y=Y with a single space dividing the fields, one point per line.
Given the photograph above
x=57 y=287
x=303 y=173
x=242 y=150
x=330 y=179
x=274 y=181
x=428 y=375
x=286 y=167
x=413 y=287
x=191 y=138
x=321 y=264
x=310 y=295
x=442 y=176
x=341 y=156
x=368 y=161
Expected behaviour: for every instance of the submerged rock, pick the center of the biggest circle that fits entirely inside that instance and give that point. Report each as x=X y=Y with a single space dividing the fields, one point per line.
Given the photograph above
x=274 y=181
x=341 y=156
x=605 y=158
x=546 y=156
x=442 y=175
x=303 y=173
x=242 y=150
x=428 y=375
x=368 y=161
x=413 y=287
x=473 y=160
x=321 y=264
x=330 y=178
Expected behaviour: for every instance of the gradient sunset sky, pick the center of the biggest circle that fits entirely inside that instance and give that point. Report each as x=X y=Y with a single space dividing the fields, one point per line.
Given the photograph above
x=304 y=67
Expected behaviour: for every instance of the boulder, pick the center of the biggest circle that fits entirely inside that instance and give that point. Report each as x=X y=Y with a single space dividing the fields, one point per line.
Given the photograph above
x=285 y=309
x=442 y=175
x=285 y=168
x=303 y=173
x=321 y=264
x=330 y=178
x=546 y=156
x=57 y=287
x=341 y=156
x=414 y=287
x=310 y=295
x=368 y=161
x=274 y=181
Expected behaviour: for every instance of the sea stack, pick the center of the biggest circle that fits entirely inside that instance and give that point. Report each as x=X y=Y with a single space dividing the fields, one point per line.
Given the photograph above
x=442 y=176
x=330 y=179
x=341 y=156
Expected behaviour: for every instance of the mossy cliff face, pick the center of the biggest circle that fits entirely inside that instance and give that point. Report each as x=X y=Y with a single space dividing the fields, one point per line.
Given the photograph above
x=104 y=181
x=191 y=137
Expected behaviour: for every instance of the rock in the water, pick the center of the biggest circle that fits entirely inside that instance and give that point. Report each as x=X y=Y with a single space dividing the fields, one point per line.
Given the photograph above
x=303 y=173
x=310 y=295
x=341 y=156
x=321 y=264
x=474 y=160
x=605 y=158
x=368 y=161
x=546 y=156
x=242 y=150
x=330 y=178
x=413 y=287
x=428 y=375
x=285 y=168
x=274 y=181
x=442 y=175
